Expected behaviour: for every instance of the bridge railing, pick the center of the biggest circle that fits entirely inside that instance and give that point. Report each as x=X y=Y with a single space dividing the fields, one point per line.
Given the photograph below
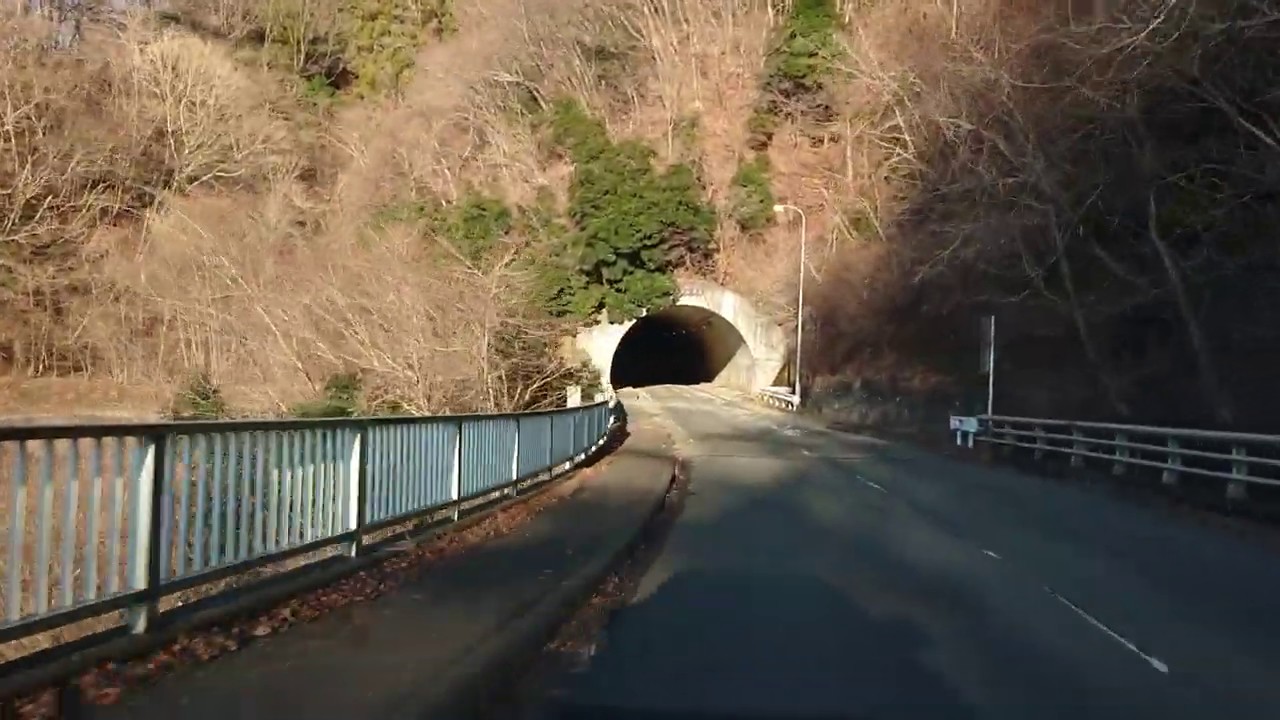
x=1238 y=459
x=778 y=397
x=118 y=518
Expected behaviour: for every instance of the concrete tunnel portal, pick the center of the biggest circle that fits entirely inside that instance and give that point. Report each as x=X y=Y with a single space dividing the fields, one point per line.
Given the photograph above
x=709 y=334
x=678 y=345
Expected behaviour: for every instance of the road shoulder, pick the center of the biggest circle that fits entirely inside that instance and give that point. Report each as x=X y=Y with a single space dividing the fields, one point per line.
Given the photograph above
x=432 y=646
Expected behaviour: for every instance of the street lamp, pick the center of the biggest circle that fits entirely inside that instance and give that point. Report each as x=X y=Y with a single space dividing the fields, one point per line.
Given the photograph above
x=780 y=209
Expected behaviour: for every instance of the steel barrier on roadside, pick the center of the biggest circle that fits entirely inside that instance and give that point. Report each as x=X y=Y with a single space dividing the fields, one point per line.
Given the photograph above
x=1239 y=459
x=779 y=398
x=114 y=518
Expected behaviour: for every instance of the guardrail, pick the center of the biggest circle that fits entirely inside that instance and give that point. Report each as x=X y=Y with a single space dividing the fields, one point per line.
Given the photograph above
x=1239 y=459
x=102 y=519
x=780 y=398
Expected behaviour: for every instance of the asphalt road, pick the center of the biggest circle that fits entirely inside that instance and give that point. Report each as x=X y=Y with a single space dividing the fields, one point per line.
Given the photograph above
x=815 y=574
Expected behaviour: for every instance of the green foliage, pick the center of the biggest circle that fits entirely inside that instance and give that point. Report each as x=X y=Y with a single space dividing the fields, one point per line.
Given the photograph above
x=366 y=46
x=199 y=399
x=342 y=395
x=318 y=90
x=632 y=224
x=474 y=225
x=383 y=37
x=806 y=48
x=752 y=199
x=798 y=68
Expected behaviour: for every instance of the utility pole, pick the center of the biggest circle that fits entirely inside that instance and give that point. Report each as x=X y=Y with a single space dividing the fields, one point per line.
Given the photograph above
x=804 y=233
x=988 y=359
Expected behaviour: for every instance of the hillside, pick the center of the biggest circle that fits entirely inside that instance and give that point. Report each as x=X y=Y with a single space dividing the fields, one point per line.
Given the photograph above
x=309 y=206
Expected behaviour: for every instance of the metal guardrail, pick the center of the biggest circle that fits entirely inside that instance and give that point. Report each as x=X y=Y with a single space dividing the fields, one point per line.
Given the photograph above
x=1240 y=459
x=780 y=398
x=117 y=517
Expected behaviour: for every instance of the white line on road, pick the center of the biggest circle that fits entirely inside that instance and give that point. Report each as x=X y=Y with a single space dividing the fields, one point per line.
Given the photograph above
x=988 y=552
x=862 y=479
x=1154 y=662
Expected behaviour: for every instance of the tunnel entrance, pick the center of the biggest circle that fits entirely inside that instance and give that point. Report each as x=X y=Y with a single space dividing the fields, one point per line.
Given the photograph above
x=680 y=345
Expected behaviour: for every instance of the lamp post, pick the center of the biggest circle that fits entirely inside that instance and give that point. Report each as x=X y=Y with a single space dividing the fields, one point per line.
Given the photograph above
x=804 y=231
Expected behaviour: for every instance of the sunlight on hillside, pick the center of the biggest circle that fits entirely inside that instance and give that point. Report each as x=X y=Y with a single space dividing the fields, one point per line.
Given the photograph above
x=272 y=194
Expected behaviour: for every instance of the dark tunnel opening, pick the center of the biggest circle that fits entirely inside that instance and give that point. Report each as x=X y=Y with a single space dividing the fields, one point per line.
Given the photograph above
x=680 y=345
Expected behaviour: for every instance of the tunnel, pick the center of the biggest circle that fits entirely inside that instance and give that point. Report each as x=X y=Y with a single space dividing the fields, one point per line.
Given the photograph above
x=681 y=345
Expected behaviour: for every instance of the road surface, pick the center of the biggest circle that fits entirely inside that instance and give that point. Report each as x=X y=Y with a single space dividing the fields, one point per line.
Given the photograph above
x=820 y=575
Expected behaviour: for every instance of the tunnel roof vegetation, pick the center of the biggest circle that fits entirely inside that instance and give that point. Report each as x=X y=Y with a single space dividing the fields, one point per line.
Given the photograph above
x=631 y=223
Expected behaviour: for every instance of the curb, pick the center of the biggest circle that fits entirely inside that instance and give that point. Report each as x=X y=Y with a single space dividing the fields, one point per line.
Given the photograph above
x=502 y=658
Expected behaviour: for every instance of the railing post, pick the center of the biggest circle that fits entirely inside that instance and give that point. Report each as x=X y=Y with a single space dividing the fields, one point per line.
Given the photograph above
x=1237 y=490
x=577 y=449
x=1169 y=476
x=1039 y=443
x=551 y=445
x=145 y=543
x=357 y=488
x=515 y=462
x=1077 y=447
x=455 y=481
x=1122 y=454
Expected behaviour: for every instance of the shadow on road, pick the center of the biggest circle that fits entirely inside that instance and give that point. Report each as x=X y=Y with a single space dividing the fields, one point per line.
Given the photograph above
x=710 y=645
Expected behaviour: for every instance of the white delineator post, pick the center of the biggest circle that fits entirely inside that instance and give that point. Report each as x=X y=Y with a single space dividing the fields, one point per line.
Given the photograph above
x=355 y=463
x=455 y=477
x=140 y=538
x=515 y=461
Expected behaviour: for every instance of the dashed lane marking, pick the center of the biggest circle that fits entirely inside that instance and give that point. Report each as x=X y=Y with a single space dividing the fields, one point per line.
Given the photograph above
x=868 y=482
x=1154 y=662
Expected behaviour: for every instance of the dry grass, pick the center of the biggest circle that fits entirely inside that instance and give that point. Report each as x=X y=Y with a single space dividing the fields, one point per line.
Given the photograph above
x=232 y=232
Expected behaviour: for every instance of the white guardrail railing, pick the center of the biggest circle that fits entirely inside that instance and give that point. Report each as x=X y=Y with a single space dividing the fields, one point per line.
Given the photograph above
x=778 y=397
x=100 y=519
x=1239 y=459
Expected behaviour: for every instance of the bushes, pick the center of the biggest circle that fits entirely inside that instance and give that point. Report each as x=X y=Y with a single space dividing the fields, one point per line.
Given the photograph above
x=382 y=37
x=342 y=398
x=633 y=224
x=199 y=399
x=474 y=225
x=367 y=46
x=798 y=69
x=752 y=199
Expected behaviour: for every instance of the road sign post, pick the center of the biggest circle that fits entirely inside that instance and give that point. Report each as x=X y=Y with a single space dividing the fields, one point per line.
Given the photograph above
x=988 y=359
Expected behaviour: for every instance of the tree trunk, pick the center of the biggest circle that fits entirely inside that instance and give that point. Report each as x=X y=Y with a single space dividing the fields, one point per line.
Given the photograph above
x=1106 y=375
x=1210 y=384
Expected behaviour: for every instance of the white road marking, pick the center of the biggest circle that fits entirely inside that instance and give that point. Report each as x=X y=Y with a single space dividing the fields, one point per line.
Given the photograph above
x=862 y=479
x=988 y=552
x=1156 y=663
